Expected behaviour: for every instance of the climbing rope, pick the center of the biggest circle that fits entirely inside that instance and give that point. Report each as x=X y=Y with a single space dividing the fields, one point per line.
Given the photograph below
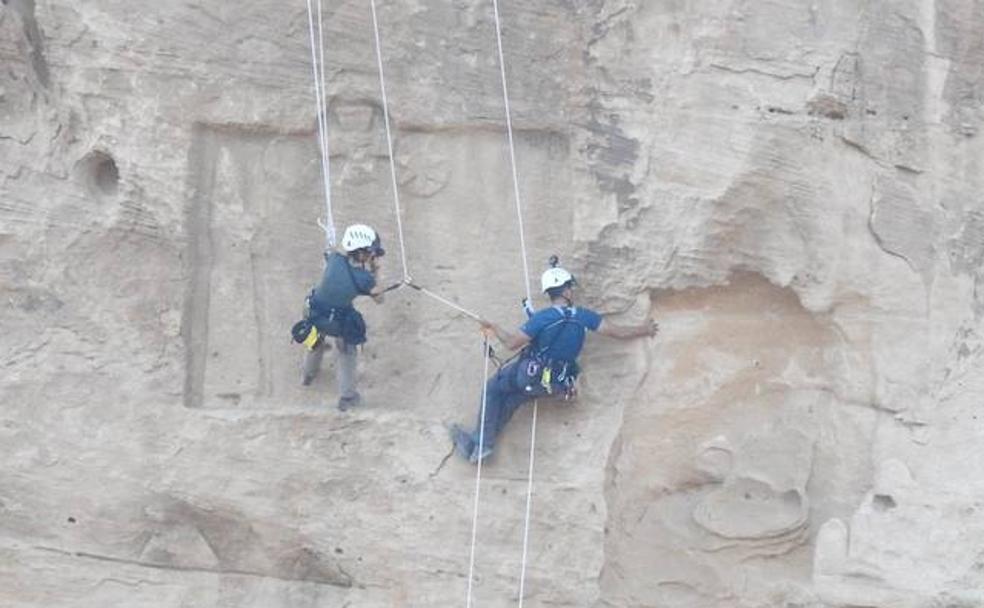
x=443 y=300
x=478 y=472
x=526 y=276
x=512 y=150
x=389 y=140
x=320 y=98
x=529 y=507
x=407 y=280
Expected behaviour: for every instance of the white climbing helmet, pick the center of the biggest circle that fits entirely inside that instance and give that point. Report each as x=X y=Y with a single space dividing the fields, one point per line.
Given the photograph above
x=555 y=277
x=358 y=236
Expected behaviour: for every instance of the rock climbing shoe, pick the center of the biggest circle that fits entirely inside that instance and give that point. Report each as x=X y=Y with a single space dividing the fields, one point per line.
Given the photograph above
x=479 y=454
x=347 y=403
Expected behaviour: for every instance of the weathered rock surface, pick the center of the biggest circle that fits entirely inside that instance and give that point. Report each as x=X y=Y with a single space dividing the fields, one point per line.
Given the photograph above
x=792 y=189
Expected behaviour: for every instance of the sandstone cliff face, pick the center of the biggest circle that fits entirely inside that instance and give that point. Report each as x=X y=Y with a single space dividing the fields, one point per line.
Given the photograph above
x=791 y=189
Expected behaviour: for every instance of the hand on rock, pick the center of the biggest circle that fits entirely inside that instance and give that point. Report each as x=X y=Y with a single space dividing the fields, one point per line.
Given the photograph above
x=653 y=329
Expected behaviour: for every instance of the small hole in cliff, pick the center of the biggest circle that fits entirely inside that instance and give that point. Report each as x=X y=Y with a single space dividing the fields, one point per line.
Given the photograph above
x=71 y=520
x=101 y=175
x=106 y=176
x=883 y=502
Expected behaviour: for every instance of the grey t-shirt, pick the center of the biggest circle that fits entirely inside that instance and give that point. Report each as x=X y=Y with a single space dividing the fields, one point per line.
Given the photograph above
x=338 y=287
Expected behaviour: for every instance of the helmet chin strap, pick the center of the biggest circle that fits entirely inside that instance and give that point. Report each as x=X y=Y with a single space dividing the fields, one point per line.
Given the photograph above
x=570 y=288
x=570 y=301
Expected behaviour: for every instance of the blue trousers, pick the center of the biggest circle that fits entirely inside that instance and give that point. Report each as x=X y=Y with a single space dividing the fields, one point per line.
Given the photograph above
x=502 y=398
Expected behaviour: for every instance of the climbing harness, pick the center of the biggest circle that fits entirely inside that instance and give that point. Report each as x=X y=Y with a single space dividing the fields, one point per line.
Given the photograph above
x=322 y=321
x=544 y=371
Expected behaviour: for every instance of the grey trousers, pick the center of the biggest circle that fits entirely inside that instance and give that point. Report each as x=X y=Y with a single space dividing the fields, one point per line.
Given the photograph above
x=345 y=368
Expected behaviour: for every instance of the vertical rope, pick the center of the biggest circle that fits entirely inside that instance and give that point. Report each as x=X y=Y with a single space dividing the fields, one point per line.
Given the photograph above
x=329 y=216
x=478 y=471
x=526 y=276
x=321 y=102
x=529 y=508
x=512 y=149
x=389 y=139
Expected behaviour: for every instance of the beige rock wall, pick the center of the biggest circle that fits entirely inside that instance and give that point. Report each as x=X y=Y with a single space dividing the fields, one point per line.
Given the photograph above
x=791 y=189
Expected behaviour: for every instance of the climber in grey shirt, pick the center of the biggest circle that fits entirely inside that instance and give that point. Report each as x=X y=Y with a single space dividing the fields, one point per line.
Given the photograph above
x=347 y=275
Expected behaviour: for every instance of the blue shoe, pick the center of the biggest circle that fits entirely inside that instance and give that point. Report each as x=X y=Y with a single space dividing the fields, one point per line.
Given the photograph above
x=479 y=454
x=464 y=443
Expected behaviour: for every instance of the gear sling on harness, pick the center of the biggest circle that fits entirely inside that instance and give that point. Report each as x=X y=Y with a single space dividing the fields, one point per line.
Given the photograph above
x=536 y=371
x=343 y=322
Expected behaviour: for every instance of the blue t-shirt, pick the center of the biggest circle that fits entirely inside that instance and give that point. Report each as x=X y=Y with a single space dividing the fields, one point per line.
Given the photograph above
x=338 y=286
x=558 y=332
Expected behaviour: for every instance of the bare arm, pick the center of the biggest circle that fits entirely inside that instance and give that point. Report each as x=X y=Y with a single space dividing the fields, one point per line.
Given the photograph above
x=510 y=340
x=647 y=329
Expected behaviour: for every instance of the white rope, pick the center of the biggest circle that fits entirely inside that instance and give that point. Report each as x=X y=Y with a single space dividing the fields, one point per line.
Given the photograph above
x=326 y=156
x=392 y=162
x=445 y=301
x=526 y=276
x=529 y=506
x=389 y=139
x=478 y=472
x=512 y=149
x=321 y=101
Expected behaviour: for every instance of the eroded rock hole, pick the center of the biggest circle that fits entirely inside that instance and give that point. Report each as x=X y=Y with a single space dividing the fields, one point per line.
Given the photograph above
x=107 y=176
x=883 y=502
x=102 y=176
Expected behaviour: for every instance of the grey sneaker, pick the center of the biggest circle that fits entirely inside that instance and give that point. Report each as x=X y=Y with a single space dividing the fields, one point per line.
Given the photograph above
x=347 y=403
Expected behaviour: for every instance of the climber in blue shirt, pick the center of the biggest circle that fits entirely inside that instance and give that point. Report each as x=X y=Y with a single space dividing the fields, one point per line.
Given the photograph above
x=551 y=341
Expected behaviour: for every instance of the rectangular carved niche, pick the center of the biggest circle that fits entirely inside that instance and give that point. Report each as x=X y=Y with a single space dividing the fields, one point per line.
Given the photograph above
x=253 y=249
